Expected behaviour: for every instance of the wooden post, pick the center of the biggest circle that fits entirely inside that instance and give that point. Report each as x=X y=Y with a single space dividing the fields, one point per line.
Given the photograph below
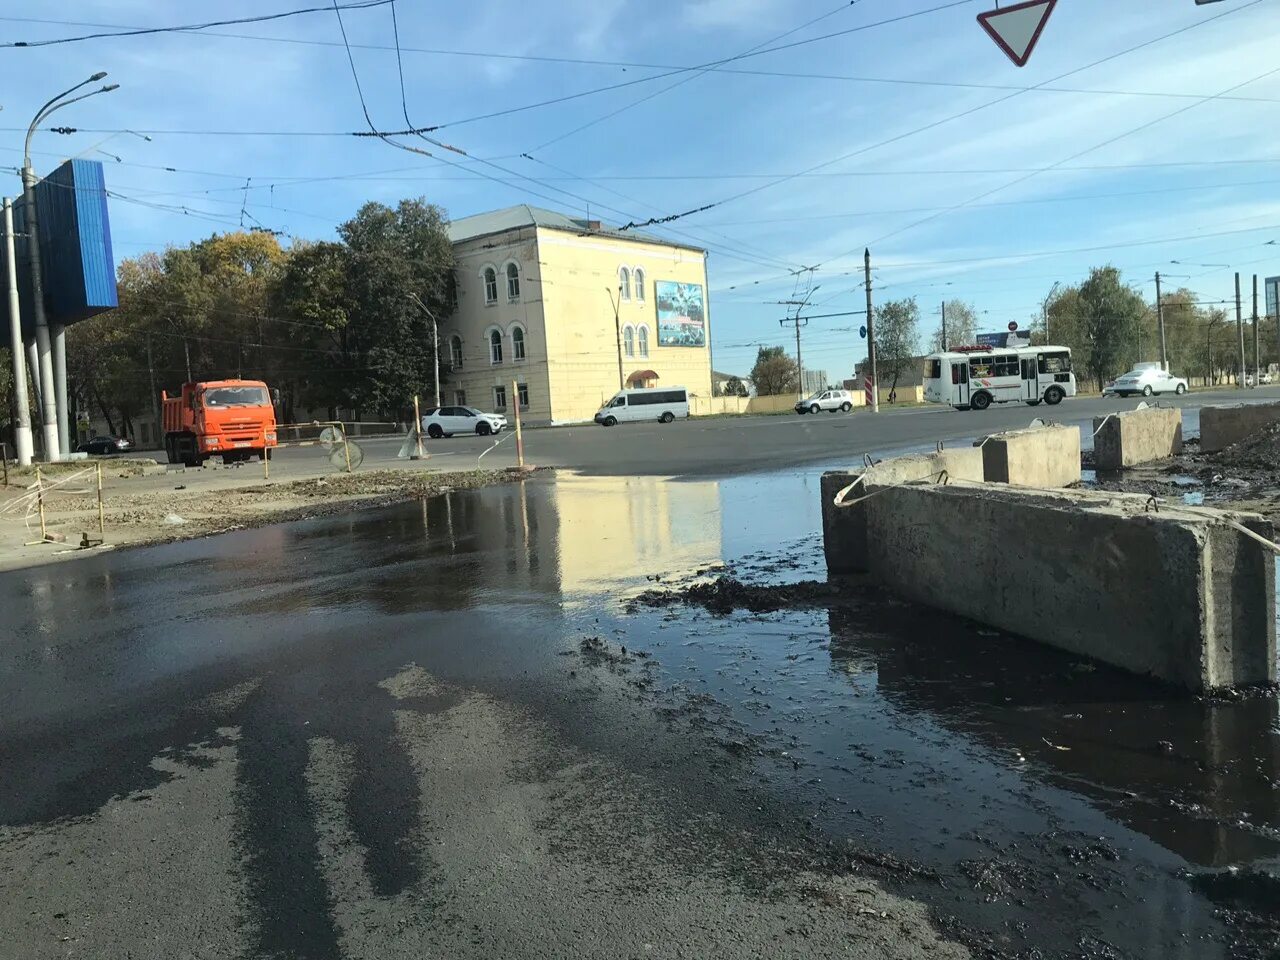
x=40 y=502
x=346 y=449
x=102 y=519
x=266 y=463
x=4 y=455
x=515 y=392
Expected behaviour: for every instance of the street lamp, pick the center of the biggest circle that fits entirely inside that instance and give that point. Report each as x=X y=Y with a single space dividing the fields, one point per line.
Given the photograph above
x=1044 y=309
x=435 y=341
x=53 y=369
x=617 y=326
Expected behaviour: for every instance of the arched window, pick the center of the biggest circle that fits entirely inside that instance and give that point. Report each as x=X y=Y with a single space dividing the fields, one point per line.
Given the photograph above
x=517 y=343
x=624 y=283
x=513 y=281
x=455 y=351
x=639 y=284
x=495 y=347
x=628 y=341
x=642 y=335
x=490 y=285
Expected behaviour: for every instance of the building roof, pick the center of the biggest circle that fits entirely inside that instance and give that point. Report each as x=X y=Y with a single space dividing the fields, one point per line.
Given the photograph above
x=523 y=215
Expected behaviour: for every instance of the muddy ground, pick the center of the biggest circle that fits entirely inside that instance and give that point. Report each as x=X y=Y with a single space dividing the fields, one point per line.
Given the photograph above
x=1242 y=477
x=187 y=507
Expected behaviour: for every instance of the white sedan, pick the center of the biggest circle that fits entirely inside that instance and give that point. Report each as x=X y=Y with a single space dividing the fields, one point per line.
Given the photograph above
x=1146 y=382
x=446 y=421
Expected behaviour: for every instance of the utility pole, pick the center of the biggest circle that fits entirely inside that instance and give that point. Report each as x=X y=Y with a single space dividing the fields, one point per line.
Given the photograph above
x=871 y=336
x=1240 y=332
x=1257 y=345
x=945 y=342
x=435 y=341
x=617 y=328
x=799 y=325
x=186 y=350
x=1164 y=347
x=155 y=394
x=22 y=412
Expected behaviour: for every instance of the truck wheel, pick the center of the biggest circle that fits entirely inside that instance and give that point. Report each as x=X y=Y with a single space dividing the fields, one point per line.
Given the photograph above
x=1054 y=396
x=264 y=454
x=170 y=451
x=980 y=401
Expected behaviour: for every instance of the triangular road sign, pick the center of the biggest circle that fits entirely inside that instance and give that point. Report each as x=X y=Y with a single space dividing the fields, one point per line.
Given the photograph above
x=1016 y=29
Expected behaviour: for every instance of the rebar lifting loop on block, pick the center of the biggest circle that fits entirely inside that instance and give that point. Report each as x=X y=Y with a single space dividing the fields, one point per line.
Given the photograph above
x=869 y=461
x=944 y=478
x=1152 y=504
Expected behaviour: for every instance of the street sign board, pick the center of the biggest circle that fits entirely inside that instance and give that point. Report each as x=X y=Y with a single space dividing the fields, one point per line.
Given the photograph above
x=1016 y=29
x=1013 y=326
x=862 y=332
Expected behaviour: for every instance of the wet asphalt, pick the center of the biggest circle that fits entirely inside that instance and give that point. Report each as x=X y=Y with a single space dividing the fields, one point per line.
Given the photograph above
x=438 y=729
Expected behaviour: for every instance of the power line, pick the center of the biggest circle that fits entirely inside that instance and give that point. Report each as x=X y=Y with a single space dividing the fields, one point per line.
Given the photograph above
x=960 y=115
x=187 y=28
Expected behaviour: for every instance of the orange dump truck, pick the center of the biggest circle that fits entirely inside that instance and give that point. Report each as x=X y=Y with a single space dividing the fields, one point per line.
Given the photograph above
x=232 y=419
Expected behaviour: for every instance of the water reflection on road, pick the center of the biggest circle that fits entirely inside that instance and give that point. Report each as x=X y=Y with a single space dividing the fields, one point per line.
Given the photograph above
x=904 y=729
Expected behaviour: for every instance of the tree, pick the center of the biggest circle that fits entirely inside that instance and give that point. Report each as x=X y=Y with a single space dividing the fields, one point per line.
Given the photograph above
x=733 y=387
x=962 y=326
x=1102 y=322
x=897 y=333
x=775 y=372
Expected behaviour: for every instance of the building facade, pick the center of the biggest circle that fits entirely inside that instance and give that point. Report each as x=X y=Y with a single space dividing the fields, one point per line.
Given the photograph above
x=558 y=314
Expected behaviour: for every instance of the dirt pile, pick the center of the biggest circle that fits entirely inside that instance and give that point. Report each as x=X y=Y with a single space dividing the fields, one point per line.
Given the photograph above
x=725 y=594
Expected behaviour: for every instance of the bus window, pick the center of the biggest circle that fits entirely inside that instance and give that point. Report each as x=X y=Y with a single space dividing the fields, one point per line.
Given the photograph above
x=959 y=373
x=1055 y=363
x=1005 y=366
x=933 y=369
x=980 y=366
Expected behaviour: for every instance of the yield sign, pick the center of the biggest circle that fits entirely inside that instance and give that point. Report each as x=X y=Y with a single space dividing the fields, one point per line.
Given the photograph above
x=1016 y=29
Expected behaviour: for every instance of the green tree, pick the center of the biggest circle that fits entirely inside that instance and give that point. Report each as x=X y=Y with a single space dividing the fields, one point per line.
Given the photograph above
x=775 y=373
x=897 y=334
x=1109 y=321
x=962 y=326
x=733 y=387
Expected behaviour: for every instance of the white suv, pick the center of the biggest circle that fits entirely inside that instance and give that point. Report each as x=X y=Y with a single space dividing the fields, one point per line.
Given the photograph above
x=829 y=400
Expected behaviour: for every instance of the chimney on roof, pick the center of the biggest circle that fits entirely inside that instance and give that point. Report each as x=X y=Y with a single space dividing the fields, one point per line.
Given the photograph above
x=594 y=225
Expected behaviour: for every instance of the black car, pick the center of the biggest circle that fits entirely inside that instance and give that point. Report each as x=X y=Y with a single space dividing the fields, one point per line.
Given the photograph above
x=104 y=445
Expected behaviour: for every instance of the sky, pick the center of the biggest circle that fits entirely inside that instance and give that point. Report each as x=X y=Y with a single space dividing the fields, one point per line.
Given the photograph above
x=1140 y=134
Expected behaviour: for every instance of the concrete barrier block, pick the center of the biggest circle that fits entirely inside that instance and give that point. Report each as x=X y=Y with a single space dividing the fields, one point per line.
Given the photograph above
x=1136 y=436
x=1040 y=457
x=844 y=528
x=1220 y=427
x=1177 y=595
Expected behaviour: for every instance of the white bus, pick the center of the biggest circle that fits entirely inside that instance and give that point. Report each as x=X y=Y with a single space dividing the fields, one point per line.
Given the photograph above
x=663 y=404
x=976 y=377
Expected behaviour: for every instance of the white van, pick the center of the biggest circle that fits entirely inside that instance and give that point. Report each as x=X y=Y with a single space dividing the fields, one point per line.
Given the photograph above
x=663 y=404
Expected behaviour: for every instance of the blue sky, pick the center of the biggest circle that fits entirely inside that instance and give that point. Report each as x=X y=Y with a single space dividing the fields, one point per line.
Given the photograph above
x=1159 y=154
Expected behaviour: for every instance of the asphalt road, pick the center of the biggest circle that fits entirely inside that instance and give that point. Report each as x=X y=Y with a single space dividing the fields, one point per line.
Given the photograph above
x=724 y=446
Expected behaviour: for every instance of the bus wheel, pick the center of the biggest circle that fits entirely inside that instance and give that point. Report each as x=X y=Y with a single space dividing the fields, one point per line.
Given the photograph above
x=980 y=401
x=1053 y=396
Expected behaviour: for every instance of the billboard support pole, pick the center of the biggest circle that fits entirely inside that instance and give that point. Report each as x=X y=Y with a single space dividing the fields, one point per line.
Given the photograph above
x=44 y=346
x=22 y=426
x=59 y=334
x=1257 y=344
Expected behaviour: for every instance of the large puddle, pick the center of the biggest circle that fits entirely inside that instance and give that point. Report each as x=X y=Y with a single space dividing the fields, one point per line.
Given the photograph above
x=1050 y=804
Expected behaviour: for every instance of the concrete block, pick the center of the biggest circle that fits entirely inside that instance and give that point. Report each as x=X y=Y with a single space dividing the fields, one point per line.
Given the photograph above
x=844 y=528
x=1220 y=427
x=1178 y=595
x=1041 y=457
x=1136 y=436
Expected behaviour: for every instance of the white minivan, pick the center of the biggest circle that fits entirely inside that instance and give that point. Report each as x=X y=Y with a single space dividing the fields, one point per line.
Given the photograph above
x=663 y=404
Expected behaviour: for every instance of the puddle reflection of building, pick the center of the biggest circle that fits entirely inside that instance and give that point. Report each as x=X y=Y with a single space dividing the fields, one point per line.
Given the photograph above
x=1198 y=778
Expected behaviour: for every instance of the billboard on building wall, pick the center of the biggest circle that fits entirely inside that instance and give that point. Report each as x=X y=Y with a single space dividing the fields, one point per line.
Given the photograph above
x=682 y=314
x=1005 y=341
x=1273 y=295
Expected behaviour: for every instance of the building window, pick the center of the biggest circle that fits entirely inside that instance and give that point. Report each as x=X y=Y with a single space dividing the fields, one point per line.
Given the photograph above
x=451 y=290
x=455 y=351
x=499 y=398
x=495 y=347
x=643 y=336
x=628 y=341
x=517 y=343
x=490 y=285
x=513 y=281
x=522 y=391
x=624 y=283
x=639 y=284
x=460 y=397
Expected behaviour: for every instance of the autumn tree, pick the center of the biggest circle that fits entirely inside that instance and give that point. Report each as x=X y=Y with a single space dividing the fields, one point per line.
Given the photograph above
x=897 y=334
x=961 y=326
x=1102 y=321
x=775 y=373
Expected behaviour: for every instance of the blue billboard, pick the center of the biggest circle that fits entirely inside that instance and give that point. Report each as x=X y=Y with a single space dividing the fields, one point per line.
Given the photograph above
x=75 y=247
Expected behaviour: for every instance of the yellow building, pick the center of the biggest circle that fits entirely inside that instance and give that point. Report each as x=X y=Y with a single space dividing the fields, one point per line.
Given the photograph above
x=571 y=311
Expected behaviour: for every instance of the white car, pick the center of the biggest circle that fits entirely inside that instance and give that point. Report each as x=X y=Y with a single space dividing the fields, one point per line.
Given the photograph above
x=1146 y=382
x=829 y=400
x=446 y=421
